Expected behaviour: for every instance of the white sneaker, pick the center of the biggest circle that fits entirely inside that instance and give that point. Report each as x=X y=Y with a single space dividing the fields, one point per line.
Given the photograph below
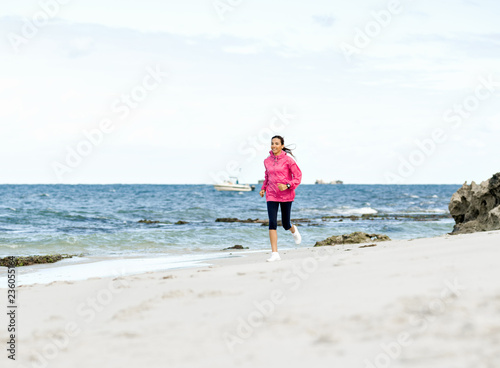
x=296 y=235
x=274 y=257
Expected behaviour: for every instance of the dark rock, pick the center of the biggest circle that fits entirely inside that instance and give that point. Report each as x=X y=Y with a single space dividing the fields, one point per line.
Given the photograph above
x=237 y=246
x=258 y=221
x=227 y=219
x=30 y=260
x=180 y=222
x=476 y=207
x=385 y=216
x=234 y=219
x=367 y=245
x=301 y=220
x=353 y=238
x=148 y=221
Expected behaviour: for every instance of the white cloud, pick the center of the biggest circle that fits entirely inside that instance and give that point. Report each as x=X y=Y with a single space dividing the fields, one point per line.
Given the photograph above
x=227 y=77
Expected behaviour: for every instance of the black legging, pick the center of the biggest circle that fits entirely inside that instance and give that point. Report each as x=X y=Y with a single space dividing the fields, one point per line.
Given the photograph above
x=272 y=211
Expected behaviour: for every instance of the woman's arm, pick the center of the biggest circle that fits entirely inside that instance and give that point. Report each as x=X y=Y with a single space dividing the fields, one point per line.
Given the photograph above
x=296 y=174
x=266 y=180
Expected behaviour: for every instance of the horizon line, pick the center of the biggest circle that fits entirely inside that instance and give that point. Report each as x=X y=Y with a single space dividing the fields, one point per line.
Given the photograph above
x=215 y=184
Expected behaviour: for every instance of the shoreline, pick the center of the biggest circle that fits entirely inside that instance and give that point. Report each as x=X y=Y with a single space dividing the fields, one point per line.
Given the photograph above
x=429 y=302
x=89 y=267
x=83 y=268
x=80 y=268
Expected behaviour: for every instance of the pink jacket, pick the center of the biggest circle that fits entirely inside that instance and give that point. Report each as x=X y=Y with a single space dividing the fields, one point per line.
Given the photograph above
x=281 y=169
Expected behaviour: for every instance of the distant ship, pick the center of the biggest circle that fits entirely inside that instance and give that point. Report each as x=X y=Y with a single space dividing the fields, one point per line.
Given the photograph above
x=261 y=181
x=321 y=181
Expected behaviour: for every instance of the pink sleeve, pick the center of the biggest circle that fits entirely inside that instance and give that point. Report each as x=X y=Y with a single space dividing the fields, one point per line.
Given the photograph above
x=266 y=180
x=296 y=174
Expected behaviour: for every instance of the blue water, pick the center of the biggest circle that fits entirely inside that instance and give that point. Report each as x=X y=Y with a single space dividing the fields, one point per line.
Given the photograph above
x=102 y=220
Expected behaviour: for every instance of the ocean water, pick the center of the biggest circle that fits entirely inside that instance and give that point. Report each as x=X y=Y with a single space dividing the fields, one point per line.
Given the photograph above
x=102 y=220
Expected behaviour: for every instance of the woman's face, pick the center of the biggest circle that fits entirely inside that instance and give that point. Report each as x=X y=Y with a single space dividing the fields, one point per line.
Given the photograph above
x=276 y=146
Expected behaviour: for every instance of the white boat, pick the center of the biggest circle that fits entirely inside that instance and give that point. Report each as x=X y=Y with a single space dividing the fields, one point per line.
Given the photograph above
x=321 y=181
x=229 y=186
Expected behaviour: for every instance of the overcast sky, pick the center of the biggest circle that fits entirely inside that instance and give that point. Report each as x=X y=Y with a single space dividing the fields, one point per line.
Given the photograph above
x=157 y=91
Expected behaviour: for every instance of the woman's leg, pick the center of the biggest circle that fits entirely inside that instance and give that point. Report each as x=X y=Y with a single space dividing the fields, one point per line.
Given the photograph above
x=272 y=211
x=286 y=213
x=273 y=237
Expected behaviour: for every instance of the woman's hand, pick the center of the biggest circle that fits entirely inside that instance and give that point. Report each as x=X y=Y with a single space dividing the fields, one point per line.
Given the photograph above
x=282 y=187
x=262 y=192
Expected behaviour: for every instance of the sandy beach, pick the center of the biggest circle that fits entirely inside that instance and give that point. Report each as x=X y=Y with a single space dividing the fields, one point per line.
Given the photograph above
x=432 y=302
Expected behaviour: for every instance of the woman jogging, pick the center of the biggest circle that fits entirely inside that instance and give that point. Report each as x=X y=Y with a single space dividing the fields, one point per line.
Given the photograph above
x=282 y=177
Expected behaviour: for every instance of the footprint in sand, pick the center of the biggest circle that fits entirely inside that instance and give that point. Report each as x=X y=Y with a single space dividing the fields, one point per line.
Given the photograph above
x=210 y=293
x=173 y=294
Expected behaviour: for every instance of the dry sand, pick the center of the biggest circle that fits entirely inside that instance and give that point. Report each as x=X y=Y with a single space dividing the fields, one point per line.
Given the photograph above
x=429 y=303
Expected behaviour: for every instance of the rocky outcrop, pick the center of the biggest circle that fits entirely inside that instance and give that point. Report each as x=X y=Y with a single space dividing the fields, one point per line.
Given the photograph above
x=476 y=207
x=145 y=221
x=237 y=246
x=234 y=219
x=388 y=216
x=352 y=238
x=257 y=221
x=30 y=260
